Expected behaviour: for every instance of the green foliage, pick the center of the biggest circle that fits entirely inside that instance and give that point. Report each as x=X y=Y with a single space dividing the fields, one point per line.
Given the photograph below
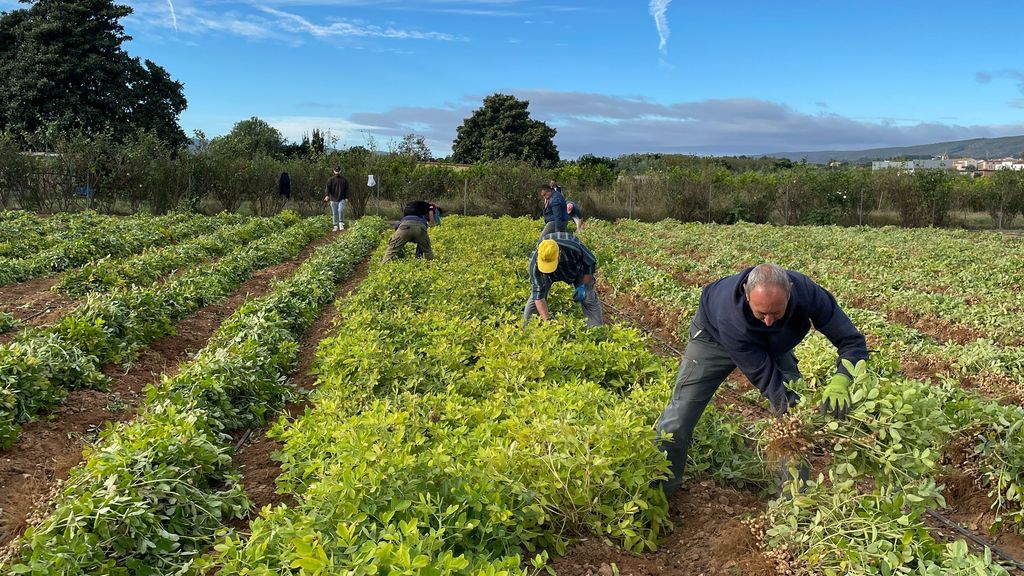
x=152 y=493
x=507 y=187
x=7 y=322
x=62 y=68
x=993 y=441
x=73 y=241
x=502 y=130
x=111 y=327
x=147 y=499
x=249 y=139
x=835 y=529
x=416 y=147
x=458 y=444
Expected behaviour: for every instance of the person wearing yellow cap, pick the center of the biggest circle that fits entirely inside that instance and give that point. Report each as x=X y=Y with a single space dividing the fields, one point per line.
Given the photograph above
x=561 y=257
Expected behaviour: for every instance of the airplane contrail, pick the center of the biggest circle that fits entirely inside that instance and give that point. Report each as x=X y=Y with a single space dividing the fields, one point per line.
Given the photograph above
x=174 y=17
x=658 y=9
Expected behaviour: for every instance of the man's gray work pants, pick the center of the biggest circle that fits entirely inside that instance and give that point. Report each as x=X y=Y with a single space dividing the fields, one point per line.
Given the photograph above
x=591 y=305
x=705 y=365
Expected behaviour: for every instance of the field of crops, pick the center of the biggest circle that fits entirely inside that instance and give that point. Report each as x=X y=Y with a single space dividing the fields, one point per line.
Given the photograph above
x=417 y=428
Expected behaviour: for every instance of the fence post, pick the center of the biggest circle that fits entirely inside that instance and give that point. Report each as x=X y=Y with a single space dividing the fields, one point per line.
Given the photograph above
x=465 y=196
x=629 y=203
x=709 y=201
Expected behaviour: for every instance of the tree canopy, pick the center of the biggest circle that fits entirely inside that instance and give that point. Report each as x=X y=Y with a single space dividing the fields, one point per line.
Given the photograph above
x=62 y=66
x=415 y=146
x=503 y=130
x=250 y=139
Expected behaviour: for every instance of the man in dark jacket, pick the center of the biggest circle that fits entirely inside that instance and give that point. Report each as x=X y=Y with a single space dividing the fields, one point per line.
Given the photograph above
x=336 y=192
x=412 y=228
x=561 y=257
x=753 y=320
x=556 y=217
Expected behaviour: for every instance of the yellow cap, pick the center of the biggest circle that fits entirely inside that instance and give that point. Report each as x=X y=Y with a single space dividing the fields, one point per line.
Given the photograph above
x=547 y=256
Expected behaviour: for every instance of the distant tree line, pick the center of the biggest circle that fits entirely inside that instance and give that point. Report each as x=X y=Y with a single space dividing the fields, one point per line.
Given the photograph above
x=241 y=170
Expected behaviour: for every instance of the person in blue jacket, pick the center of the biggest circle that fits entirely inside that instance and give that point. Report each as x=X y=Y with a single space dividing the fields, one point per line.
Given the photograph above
x=752 y=321
x=556 y=216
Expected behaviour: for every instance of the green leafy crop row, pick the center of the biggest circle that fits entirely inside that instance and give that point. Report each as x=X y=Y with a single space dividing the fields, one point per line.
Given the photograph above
x=106 y=273
x=152 y=493
x=863 y=515
x=86 y=240
x=41 y=364
x=446 y=439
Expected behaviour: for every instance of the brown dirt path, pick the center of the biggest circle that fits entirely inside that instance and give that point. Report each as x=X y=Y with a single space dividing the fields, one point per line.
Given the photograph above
x=255 y=457
x=48 y=448
x=709 y=539
x=33 y=303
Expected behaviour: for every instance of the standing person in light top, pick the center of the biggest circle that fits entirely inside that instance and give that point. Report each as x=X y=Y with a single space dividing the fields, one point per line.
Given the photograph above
x=412 y=228
x=753 y=320
x=561 y=257
x=556 y=218
x=336 y=192
x=576 y=213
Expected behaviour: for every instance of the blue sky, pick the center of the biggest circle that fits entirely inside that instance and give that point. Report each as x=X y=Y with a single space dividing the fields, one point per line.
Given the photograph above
x=725 y=77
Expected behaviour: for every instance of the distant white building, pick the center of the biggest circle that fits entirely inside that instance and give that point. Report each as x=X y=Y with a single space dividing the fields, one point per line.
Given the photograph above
x=1001 y=164
x=965 y=164
x=911 y=165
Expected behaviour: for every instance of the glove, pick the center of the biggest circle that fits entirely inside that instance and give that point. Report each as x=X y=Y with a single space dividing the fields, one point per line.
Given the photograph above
x=836 y=399
x=781 y=406
x=581 y=293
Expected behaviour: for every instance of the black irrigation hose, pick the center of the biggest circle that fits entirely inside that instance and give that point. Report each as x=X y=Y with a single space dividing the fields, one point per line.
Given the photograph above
x=40 y=313
x=1015 y=564
x=243 y=439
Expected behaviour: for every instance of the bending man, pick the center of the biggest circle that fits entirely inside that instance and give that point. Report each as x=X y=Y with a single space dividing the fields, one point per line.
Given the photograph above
x=561 y=257
x=411 y=228
x=753 y=320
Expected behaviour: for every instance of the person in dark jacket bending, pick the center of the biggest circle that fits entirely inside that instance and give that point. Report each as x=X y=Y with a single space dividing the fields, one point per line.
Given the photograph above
x=556 y=217
x=412 y=228
x=753 y=320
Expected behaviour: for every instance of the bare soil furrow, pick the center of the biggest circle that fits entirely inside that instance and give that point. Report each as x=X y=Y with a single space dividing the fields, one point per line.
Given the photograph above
x=49 y=448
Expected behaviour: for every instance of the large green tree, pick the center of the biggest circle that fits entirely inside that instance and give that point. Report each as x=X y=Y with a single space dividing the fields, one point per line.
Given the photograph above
x=62 y=66
x=251 y=138
x=503 y=130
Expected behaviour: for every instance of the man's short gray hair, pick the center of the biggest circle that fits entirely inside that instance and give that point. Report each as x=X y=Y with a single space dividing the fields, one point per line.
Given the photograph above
x=768 y=274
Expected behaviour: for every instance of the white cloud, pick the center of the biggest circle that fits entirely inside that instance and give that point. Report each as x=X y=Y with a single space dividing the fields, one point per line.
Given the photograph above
x=265 y=22
x=295 y=127
x=612 y=125
x=659 y=9
x=348 y=29
x=174 y=17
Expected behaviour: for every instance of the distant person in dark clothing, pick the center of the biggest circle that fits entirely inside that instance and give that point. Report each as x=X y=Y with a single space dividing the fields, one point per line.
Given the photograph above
x=556 y=217
x=752 y=321
x=284 y=185
x=576 y=213
x=336 y=192
x=412 y=228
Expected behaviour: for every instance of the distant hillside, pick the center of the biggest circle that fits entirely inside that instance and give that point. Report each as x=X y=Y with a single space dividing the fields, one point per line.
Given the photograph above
x=980 y=148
